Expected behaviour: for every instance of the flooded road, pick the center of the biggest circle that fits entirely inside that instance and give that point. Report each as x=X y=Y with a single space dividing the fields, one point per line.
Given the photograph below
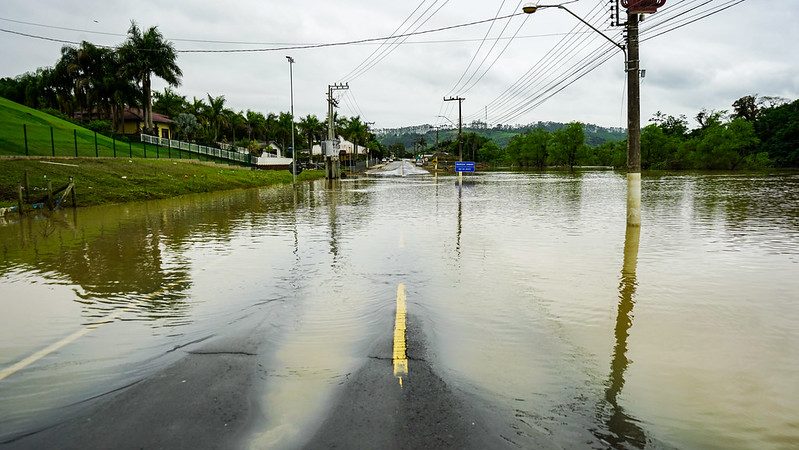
x=533 y=317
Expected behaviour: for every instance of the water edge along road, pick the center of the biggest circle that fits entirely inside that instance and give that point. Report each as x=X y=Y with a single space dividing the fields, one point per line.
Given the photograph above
x=270 y=318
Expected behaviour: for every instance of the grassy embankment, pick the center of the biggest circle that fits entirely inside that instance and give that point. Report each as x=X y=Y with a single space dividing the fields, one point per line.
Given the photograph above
x=107 y=179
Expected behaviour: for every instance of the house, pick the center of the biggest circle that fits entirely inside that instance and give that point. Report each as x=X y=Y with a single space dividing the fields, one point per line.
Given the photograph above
x=344 y=146
x=133 y=123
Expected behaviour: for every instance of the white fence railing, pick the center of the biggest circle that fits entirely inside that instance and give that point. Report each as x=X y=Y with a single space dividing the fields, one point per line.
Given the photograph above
x=199 y=149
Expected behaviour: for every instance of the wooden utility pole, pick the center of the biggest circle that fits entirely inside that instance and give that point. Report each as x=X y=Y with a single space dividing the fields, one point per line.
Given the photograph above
x=460 y=129
x=331 y=162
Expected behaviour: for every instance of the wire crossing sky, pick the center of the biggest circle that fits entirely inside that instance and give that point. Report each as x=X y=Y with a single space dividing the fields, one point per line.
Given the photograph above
x=511 y=67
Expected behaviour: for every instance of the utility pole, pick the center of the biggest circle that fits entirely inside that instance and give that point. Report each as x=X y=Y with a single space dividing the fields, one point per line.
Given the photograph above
x=293 y=153
x=635 y=8
x=633 y=121
x=460 y=129
x=331 y=161
x=367 y=148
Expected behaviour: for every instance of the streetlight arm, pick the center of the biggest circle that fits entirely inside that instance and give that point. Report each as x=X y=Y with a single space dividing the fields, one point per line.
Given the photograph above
x=448 y=120
x=624 y=50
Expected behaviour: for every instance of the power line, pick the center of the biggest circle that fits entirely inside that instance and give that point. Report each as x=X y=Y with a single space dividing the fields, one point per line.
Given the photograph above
x=393 y=46
x=519 y=85
x=499 y=55
x=384 y=42
x=212 y=41
x=719 y=9
x=556 y=55
x=510 y=111
x=295 y=47
x=598 y=60
x=469 y=66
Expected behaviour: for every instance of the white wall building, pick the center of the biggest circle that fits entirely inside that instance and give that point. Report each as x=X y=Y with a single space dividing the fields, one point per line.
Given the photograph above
x=344 y=145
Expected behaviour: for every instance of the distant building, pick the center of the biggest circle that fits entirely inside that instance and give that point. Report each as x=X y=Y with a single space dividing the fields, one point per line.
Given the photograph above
x=133 y=123
x=344 y=146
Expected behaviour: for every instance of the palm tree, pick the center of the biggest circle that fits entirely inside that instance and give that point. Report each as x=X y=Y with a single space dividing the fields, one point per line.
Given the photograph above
x=146 y=54
x=214 y=114
x=312 y=128
x=356 y=131
x=283 y=129
x=253 y=121
x=169 y=102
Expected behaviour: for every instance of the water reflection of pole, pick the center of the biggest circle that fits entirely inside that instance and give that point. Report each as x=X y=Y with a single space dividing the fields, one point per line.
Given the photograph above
x=460 y=213
x=332 y=188
x=296 y=240
x=622 y=427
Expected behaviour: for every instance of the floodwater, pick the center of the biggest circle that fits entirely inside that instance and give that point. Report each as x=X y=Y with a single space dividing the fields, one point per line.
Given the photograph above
x=536 y=302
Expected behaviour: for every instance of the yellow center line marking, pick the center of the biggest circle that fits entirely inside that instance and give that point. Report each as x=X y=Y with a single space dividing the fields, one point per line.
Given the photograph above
x=11 y=370
x=400 y=356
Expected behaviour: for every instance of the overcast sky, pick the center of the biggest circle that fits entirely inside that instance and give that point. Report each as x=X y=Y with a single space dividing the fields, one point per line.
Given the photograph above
x=749 y=48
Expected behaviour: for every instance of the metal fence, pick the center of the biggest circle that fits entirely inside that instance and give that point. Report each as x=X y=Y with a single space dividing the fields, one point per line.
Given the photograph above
x=36 y=139
x=237 y=156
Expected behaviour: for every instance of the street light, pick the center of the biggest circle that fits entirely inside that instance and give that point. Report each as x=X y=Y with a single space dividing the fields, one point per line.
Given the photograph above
x=631 y=66
x=448 y=120
x=293 y=157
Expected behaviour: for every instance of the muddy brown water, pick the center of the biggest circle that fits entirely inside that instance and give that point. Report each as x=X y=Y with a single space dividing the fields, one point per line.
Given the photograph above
x=535 y=299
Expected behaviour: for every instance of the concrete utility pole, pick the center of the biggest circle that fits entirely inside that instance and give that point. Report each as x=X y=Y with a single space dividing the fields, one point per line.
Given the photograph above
x=367 y=148
x=331 y=161
x=635 y=8
x=633 y=122
x=460 y=129
x=293 y=154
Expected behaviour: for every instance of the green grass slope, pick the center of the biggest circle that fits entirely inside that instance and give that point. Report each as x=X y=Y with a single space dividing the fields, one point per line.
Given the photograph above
x=12 y=136
x=117 y=180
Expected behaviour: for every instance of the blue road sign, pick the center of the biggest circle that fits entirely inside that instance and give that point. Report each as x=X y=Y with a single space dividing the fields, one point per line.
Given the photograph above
x=464 y=166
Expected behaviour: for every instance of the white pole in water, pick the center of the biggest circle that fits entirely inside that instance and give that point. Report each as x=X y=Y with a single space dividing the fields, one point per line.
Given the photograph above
x=293 y=156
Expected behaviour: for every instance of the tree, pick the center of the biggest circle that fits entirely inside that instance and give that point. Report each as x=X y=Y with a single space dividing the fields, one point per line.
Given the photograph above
x=530 y=149
x=312 y=129
x=658 y=148
x=707 y=118
x=214 y=115
x=146 y=54
x=567 y=143
x=283 y=130
x=255 y=123
x=746 y=108
x=169 y=102
x=490 y=153
x=186 y=125
x=778 y=130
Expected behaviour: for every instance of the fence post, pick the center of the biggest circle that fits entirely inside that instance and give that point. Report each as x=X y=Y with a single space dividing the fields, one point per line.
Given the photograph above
x=75 y=138
x=27 y=186
x=144 y=144
x=52 y=141
x=72 y=182
x=25 y=133
x=169 y=151
x=20 y=204
x=96 y=152
x=50 y=195
x=130 y=149
x=157 y=150
x=114 y=144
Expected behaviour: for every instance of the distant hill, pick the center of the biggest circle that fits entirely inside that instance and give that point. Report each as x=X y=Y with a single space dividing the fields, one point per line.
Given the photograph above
x=501 y=135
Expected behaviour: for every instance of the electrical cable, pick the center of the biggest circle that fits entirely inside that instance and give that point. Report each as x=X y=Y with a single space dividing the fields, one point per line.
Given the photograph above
x=490 y=27
x=295 y=47
x=397 y=44
x=384 y=42
x=566 y=46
